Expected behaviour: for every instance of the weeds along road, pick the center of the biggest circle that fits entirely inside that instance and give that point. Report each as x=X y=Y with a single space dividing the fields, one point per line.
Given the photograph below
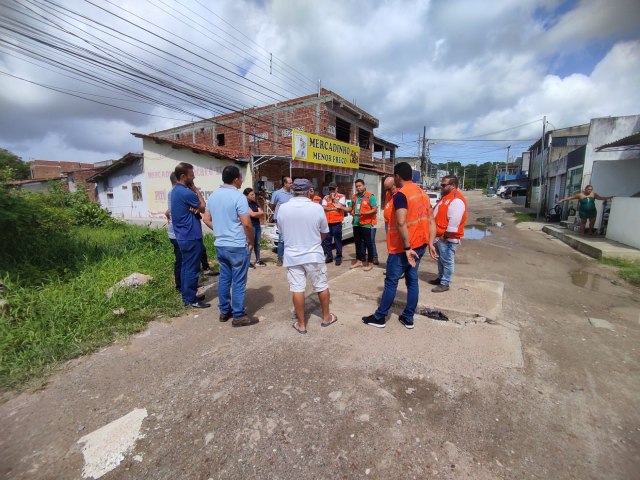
x=536 y=391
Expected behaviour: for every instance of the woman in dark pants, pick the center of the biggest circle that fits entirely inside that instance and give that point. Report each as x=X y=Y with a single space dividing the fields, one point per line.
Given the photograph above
x=256 y=213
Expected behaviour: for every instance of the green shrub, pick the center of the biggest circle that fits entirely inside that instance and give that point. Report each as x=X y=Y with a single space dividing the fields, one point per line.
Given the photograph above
x=67 y=315
x=59 y=256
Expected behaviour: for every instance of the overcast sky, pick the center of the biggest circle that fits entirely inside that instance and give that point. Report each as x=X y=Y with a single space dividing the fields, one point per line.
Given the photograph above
x=460 y=68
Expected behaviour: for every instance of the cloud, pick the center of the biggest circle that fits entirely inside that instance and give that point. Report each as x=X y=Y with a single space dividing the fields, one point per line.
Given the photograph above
x=461 y=67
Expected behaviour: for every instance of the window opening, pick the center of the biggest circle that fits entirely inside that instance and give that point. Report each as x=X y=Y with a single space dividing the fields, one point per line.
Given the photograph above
x=136 y=190
x=363 y=138
x=220 y=138
x=343 y=130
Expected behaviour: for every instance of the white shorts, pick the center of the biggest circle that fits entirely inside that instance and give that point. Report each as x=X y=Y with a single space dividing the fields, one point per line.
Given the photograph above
x=317 y=273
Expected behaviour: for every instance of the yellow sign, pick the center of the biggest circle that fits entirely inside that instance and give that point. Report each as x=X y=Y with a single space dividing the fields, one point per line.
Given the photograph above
x=327 y=151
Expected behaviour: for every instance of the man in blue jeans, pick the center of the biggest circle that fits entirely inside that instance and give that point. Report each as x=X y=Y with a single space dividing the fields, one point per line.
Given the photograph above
x=278 y=198
x=451 y=216
x=227 y=214
x=411 y=231
x=186 y=205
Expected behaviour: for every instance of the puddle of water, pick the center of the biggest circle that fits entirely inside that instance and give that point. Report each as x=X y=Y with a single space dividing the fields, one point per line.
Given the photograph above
x=476 y=232
x=596 y=283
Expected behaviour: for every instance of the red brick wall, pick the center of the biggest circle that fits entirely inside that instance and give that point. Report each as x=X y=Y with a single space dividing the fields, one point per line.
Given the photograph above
x=42 y=169
x=80 y=178
x=273 y=126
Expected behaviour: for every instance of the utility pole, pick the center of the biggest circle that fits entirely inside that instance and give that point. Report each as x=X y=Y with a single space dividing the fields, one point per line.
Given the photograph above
x=544 y=123
x=506 y=167
x=423 y=157
x=475 y=181
x=464 y=174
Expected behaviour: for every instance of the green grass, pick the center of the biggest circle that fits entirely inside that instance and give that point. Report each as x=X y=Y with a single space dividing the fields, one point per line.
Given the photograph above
x=627 y=269
x=524 y=217
x=56 y=308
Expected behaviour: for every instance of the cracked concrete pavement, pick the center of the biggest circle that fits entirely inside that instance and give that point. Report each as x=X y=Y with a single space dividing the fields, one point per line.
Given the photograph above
x=519 y=384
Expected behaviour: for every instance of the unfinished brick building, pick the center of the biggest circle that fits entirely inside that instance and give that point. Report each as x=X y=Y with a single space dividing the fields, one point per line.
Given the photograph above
x=264 y=134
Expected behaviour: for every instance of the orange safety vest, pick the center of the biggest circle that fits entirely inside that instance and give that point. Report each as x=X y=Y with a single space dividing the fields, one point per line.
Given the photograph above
x=417 y=221
x=316 y=199
x=335 y=216
x=388 y=206
x=442 y=220
x=365 y=218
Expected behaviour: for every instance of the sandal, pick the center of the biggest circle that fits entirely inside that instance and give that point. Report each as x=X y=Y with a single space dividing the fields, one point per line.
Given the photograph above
x=297 y=329
x=334 y=319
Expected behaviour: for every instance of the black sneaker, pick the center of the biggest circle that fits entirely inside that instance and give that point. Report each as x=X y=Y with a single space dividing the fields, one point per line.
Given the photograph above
x=405 y=322
x=199 y=298
x=434 y=282
x=261 y=264
x=375 y=261
x=200 y=305
x=328 y=260
x=373 y=321
x=225 y=316
x=338 y=262
x=251 y=265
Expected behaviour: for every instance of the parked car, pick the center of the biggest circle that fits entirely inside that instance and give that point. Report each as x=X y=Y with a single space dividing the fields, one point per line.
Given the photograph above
x=516 y=192
x=434 y=197
x=504 y=189
x=270 y=231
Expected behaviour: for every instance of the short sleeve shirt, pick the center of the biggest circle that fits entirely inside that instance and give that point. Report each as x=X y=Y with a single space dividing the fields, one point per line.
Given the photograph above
x=280 y=197
x=254 y=208
x=372 y=202
x=226 y=205
x=186 y=225
x=301 y=223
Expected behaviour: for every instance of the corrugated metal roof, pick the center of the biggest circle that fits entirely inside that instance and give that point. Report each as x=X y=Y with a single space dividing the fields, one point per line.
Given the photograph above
x=625 y=143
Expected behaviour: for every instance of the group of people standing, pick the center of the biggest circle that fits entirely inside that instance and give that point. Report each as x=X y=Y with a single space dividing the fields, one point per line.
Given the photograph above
x=412 y=230
x=227 y=213
x=308 y=226
x=364 y=209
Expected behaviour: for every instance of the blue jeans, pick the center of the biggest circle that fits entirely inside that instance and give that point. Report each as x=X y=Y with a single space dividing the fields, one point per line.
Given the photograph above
x=280 y=246
x=397 y=264
x=257 y=236
x=191 y=251
x=335 y=232
x=234 y=265
x=447 y=253
x=177 y=264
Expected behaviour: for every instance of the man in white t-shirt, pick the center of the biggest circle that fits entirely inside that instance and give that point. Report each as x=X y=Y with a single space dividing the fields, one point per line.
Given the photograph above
x=303 y=226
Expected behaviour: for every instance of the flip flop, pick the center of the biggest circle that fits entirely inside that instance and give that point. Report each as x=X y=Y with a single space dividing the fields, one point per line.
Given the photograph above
x=297 y=329
x=334 y=319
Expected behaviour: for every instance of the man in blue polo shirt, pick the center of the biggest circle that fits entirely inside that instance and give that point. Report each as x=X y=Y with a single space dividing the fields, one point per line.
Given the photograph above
x=227 y=214
x=186 y=205
x=278 y=198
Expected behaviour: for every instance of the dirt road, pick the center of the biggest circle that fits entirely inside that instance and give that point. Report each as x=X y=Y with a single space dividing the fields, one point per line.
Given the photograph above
x=521 y=384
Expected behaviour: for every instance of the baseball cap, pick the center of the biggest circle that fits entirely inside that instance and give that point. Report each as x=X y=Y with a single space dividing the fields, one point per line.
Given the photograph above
x=333 y=185
x=301 y=185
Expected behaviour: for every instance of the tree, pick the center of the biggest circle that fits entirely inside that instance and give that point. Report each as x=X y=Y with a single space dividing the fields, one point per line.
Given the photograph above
x=12 y=167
